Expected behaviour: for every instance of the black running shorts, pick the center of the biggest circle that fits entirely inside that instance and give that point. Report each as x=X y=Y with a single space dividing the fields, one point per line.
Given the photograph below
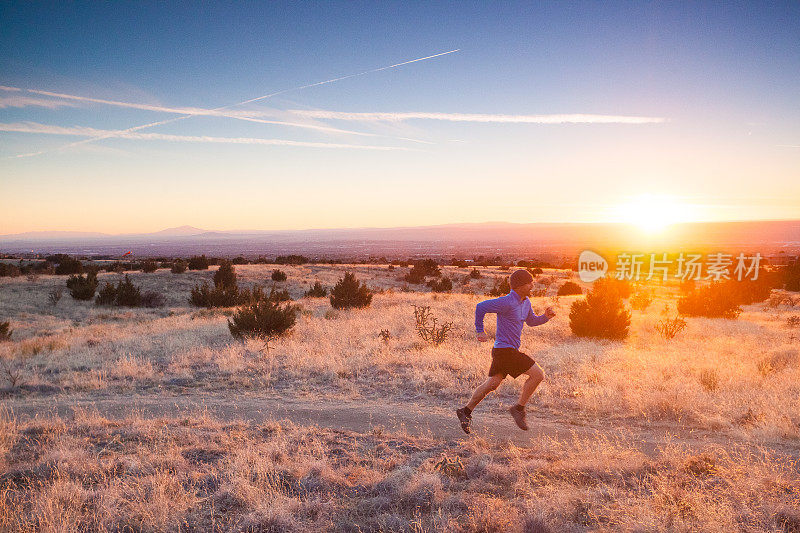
x=509 y=361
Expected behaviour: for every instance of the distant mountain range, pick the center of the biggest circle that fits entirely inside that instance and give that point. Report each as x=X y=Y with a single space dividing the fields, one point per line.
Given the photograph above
x=490 y=238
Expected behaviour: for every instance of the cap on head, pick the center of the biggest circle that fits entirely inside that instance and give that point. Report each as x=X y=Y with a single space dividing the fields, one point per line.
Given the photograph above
x=519 y=277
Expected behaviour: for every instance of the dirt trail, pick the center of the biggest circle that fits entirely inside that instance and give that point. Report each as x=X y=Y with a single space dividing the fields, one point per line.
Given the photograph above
x=489 y=422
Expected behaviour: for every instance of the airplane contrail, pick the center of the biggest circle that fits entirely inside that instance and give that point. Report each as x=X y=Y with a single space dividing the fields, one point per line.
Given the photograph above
x=176 y=119
x=193 y=111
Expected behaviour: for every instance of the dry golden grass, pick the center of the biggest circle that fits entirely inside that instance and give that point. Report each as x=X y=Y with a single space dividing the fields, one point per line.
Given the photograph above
x=741 y=376
x=88 y=473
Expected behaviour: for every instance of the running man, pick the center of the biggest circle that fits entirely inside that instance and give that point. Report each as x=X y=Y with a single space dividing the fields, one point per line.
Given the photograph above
x=513 y=310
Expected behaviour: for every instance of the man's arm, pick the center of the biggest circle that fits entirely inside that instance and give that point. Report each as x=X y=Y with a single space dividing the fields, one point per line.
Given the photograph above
x=537 y=320
x=487 y=306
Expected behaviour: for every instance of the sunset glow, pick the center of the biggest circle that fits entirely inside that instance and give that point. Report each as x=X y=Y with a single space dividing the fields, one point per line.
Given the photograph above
x=654 y=213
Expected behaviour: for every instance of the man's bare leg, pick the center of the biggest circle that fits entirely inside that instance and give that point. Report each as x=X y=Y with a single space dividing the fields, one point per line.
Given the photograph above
x=535 y=377
x=485 y=388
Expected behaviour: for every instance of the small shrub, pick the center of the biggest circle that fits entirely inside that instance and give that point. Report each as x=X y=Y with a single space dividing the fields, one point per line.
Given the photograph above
x=316 y=291
x=791 y=278
x=475 y=273
x=149 y=266
x=82 y=287
x=569 y=288
x=669 y=327
x=5 y=331
x=225 y=276
x=641 y=301
x=422 y=269
x=385 y=335
x=263 y=319
x=107 y=295
x=536 y=271
x=69 y=265
x=500 y=288
x=348 y=292
x=278 y=275
x=178 y=267
x=602 y=314
x=793 y=321
x=427 y=328
x=128 y=294
x=54 y=296
x=205 y=296
x=198 y=263
x=713 y=301
x=9 y=270
x=441 y=285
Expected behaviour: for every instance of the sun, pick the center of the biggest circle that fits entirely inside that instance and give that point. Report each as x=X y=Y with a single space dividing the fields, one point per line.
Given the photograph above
x=652 y=213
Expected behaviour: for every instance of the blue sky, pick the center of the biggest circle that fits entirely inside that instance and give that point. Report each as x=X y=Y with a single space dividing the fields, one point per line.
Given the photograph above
x=693 y=104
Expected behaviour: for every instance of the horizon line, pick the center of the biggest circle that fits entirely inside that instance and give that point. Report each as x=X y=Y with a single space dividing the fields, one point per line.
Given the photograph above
x=490 y=222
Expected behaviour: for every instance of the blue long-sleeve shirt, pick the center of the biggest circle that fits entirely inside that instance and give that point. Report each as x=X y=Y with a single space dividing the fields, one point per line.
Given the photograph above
x=512 y=312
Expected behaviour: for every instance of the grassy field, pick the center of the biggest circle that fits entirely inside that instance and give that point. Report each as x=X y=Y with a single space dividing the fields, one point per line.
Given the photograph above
x=737 y=378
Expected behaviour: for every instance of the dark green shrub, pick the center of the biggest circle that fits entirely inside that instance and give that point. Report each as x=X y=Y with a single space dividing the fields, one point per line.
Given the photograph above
x=714 y=301
x=348 y=292
x=128 y=294
x=278 y=275
x=225 y=276
x=423 y=268
x=149 y=266
x=205 y=296
x=500 y=288
x=569 y=288
x=240 y=260
x=536 y=271
x=441 y=285
x=178 y=267
x=262 y=319
x=791 y=277
x=5 y=331
x=474 y=273
x=82 y=287
x=415 y=276
x=198 y=262
x=749 y=291
x=316 y=291
x=291 y=260
x=68 y=265
x=9 y=270
x=107 y=295
x=602 y=314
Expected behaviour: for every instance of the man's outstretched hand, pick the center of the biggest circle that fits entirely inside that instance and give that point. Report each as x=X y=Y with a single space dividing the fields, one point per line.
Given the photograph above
x=549 y=313
x=483 y=337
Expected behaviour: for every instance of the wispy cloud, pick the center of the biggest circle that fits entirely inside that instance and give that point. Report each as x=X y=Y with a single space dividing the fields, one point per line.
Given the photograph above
x=474 y=117
x=80 y=131
x=18 y=100
x=251 y=116
x=162 y=122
